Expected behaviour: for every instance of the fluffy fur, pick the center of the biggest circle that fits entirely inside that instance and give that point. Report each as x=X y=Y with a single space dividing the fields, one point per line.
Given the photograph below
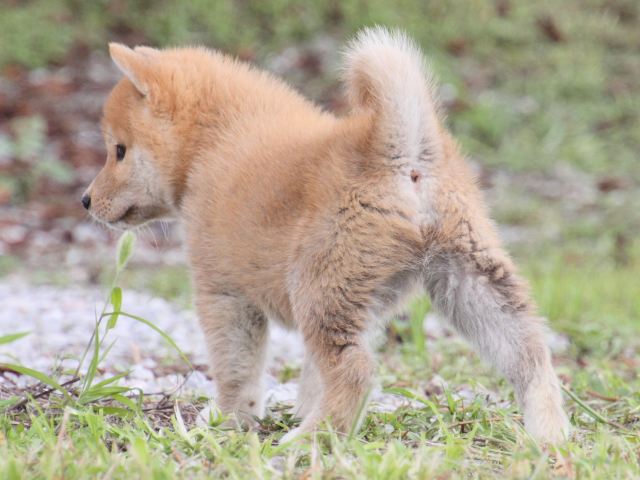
x=320 y=223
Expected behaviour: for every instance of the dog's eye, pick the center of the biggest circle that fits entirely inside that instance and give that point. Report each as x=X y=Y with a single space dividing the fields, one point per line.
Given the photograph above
x=120 y=151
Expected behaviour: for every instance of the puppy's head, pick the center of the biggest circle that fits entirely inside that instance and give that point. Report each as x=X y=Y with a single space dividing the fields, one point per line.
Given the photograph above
x=137 y=182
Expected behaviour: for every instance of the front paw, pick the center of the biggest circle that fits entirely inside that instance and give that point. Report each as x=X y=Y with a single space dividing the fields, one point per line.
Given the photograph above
x=212 y=415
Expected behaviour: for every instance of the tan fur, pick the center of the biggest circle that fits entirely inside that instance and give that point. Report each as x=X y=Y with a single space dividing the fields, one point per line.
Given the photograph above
x=320 y=223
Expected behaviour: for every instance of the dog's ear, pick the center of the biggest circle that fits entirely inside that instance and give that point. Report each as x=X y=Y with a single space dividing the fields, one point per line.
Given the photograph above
x=146 y=51
x=135 y=64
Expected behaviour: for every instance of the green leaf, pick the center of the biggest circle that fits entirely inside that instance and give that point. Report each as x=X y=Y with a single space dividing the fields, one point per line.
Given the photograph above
x=105 y=351
x=451 y=403
x=126 y=401
x=403 y=392
x=111 y=380
x=94 y=394
x=42 y=377
x=12 y=337
x=95 y=360
x=590 y=411
x=125 y=248
x=116 y=301
x=117 y=411
x=8 y=402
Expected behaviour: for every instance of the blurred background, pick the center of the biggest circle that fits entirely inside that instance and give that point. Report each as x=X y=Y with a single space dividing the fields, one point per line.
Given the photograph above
x=544 y=97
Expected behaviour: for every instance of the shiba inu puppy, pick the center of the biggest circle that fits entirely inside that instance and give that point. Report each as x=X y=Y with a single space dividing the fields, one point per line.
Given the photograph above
x=320 y=223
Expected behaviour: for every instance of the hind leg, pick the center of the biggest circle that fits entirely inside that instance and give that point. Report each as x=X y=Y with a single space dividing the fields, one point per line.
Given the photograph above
x=488 y=307
x=339 y=282
x=341 y=375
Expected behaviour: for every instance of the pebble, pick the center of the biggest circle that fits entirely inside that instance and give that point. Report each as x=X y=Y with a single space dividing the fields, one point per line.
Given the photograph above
x=60 y=322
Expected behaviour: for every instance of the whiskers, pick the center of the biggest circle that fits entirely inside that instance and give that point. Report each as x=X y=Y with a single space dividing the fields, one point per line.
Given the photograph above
x=164 y=226
x=148 y=232
x=144 y=228
x=94 y=221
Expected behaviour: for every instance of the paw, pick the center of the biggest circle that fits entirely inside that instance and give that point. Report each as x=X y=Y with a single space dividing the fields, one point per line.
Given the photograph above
x=242 y=421
x=304 y=406
x=243 y=412
x=307 y=426
x=544 y=417
x=212 y=415
x=547 y=423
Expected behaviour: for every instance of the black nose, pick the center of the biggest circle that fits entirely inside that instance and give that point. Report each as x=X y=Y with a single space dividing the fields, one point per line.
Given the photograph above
x=86 y=201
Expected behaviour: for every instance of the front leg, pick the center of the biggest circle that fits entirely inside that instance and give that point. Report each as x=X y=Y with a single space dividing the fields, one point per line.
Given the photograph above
x=236 y=333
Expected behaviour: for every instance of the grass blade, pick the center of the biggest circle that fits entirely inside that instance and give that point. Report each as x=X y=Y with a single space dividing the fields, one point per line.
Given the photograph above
x=111 y=380
x=591 y=412
x=41 y=377
x=158 y=330
x=116 y=301
x=12 y=337
x=95 y=360
x=403 y=392
x=125 y=248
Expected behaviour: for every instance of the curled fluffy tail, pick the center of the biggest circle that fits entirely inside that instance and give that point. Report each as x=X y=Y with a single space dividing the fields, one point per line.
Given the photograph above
x=385 y=72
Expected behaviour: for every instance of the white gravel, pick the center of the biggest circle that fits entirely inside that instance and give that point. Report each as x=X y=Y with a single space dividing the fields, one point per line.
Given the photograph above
x=61 y=320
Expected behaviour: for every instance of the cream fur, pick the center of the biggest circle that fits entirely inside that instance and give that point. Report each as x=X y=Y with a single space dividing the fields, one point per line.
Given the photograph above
x=323 y=224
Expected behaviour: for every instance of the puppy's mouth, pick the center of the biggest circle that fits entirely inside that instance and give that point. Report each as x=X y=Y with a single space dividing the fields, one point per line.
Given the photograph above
x=127 y=216
x=131 y=217
x=136 y=215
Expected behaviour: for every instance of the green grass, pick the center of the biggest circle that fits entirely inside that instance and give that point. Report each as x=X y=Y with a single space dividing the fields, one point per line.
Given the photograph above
x=84 y=429
x=522 y=98
x=519 y=101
